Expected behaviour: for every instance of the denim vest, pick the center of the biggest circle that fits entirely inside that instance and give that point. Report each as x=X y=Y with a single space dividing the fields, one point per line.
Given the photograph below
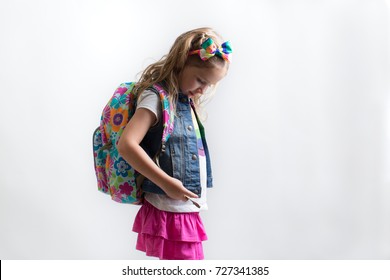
x=180 y=158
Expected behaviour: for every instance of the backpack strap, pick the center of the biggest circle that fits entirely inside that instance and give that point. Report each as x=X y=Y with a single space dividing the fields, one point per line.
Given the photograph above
x=167 y=115
x=168 y=124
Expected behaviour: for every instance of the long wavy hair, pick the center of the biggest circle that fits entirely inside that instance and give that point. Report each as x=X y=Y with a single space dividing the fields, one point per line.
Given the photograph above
x=168 y=69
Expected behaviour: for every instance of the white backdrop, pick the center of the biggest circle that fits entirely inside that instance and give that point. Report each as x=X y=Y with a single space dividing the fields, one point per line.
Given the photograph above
x=297 y=130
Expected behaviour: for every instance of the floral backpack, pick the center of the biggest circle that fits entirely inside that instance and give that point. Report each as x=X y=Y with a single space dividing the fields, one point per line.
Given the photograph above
x=114 y=175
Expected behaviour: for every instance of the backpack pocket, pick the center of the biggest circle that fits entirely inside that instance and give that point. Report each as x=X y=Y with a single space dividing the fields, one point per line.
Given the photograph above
x=100 y=158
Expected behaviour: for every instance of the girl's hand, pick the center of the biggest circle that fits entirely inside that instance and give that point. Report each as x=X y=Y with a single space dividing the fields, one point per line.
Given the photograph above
x=129 y=148
x=175 y=190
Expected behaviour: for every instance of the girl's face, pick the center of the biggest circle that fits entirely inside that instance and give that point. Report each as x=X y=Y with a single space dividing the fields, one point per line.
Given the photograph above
x=195 y=80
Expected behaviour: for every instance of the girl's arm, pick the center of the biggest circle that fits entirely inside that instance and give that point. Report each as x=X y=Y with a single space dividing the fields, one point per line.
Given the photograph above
x=132 y=152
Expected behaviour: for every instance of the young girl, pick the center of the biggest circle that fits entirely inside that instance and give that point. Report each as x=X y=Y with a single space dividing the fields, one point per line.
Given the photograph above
x=168 y=223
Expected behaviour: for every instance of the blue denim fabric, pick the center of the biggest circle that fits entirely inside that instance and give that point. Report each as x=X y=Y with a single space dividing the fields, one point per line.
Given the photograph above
x=180 y=158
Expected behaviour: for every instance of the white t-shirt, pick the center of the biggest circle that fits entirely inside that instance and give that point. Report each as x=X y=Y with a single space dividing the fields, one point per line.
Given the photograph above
x=149 y=100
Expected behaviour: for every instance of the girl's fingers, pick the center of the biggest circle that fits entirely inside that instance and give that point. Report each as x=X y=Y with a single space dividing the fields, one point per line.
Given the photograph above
x=191 y=194
x=193 y=201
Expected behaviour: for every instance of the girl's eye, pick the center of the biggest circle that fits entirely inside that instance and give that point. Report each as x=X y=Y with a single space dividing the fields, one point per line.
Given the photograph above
x=201 y=81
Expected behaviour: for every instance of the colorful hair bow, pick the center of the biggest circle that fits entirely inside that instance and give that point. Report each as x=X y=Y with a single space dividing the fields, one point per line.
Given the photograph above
x=209 y=49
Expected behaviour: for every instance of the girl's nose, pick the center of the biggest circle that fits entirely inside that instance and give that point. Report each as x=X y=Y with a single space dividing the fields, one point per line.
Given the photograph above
x=202 y=89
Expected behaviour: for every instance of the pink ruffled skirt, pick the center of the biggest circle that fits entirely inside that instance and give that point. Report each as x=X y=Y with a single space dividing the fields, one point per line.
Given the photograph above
x=168 y=235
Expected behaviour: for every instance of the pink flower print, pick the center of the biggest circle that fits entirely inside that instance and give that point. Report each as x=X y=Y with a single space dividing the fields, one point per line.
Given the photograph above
x=121 y=90
x=126 y=189
x=116 y=194
x=106 y=115
x=102 y=179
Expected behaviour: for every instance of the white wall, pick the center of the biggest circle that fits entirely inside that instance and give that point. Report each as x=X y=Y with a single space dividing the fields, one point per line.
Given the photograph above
x=297 y=130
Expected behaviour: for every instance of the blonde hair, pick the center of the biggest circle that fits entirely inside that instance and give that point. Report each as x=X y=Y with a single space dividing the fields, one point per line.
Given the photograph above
x=167 y=70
